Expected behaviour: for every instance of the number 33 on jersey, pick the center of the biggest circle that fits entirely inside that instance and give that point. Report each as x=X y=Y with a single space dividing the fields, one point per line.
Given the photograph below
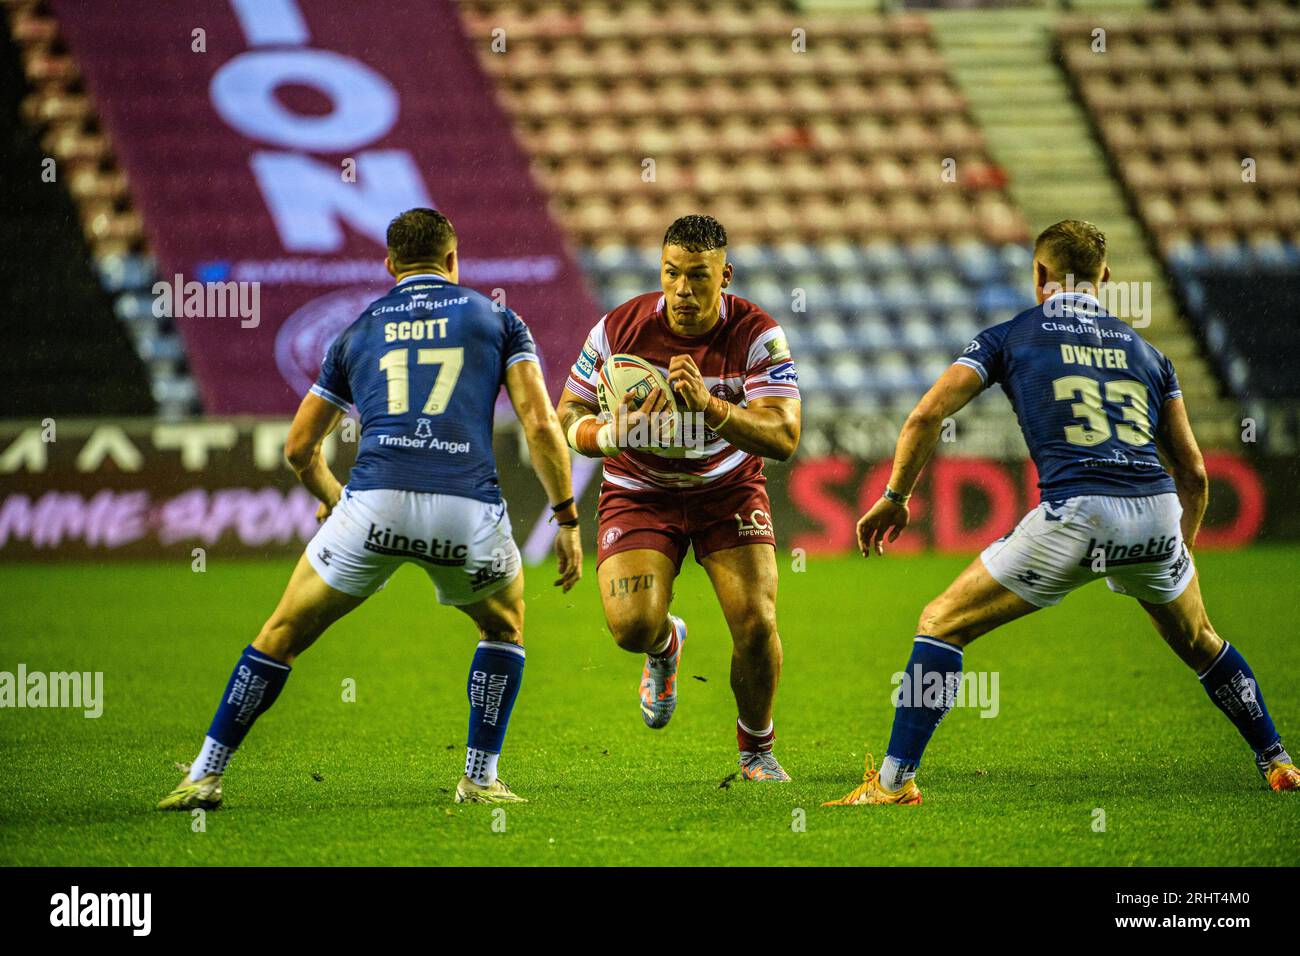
x=1088 y=393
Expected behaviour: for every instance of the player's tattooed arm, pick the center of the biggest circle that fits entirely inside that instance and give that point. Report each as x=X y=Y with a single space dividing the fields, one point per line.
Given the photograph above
x=579 y=423
x=573 y=408
x=594 y=437
x=315 y=419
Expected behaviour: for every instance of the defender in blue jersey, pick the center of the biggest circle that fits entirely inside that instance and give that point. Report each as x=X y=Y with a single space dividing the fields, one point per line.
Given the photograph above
x=423 y=366
x=1095 y=403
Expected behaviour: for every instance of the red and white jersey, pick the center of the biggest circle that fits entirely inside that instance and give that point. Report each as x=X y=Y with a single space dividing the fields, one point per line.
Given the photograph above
x=743 y=357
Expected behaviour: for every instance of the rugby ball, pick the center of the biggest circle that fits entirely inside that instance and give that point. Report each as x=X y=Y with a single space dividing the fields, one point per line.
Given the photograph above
x=623 y=374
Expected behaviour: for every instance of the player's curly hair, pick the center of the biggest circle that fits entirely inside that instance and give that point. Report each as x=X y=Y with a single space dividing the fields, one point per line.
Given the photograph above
x=420 y=236
x=1072 y=247
x=696 y=234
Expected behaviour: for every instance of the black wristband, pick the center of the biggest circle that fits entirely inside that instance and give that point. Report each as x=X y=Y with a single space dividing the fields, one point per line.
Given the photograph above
x=562 y=505
x=568 y=524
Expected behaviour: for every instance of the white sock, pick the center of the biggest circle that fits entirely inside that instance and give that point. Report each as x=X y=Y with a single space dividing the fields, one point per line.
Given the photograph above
x=481 y=766
x=894 y=775
x=211 y=759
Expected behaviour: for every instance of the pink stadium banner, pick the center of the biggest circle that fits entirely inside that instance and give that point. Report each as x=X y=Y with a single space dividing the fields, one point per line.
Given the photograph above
x=269 y=142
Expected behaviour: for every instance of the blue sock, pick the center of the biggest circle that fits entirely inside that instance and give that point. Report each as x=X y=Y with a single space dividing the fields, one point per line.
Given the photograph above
x=253 y=688
x=1231 y=685
x=926 y=694
x=494 y=678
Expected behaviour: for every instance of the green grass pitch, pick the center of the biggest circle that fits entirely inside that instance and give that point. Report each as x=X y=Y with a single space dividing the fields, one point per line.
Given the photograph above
x=1095 y=713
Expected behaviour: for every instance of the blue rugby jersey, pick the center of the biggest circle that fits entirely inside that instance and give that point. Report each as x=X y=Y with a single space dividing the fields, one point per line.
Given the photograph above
x=1087 y=391
x=423 y=364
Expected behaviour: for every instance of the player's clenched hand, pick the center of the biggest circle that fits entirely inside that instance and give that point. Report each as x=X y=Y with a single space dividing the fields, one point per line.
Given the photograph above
x=324 y=509
x=640 y=427
x=568 y=558
x=884 y=519
x=685 y=379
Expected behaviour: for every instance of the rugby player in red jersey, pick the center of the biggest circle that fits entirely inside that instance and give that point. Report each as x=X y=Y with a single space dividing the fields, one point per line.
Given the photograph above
x=736 y=393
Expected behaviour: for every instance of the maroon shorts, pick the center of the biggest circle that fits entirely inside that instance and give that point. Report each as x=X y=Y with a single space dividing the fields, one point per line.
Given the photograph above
x=711 y=518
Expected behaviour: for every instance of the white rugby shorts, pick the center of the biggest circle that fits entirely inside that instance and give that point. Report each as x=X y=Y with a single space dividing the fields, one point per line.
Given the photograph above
x=1136 y=544
x=464 y=545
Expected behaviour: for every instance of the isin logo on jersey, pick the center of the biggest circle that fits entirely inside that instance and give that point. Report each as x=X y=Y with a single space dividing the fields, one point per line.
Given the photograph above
x=587 y=360
x=785 y=372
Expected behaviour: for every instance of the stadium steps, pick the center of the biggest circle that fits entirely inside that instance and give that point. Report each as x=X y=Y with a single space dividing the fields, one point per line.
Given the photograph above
x=65 y=353
x=1004 y=63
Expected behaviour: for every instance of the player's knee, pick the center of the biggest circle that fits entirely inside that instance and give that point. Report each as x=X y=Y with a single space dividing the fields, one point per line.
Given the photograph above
x=282 y=640
x=502 y=634
x=754 y=631
x=638 y=633
x=505 y=632
x=507 y=627
x=1207 y=651
x=931 y=620
x=936 y=622
x=1203 y=646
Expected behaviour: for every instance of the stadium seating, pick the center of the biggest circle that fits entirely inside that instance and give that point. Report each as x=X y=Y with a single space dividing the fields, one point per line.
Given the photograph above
x=865 y=210
x=826 y=169
x=1199 y=109
x=58 y=107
